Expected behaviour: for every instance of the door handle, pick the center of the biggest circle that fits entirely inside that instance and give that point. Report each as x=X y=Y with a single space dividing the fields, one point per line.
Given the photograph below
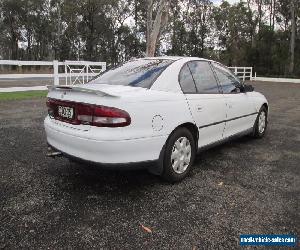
x=199 y=109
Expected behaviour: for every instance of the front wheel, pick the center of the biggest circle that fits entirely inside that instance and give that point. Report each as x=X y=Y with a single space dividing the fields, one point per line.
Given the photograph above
x=261 y=123
x=179 y=155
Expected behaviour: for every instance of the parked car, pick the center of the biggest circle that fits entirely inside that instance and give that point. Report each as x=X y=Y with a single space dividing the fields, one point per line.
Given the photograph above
x=153 y=112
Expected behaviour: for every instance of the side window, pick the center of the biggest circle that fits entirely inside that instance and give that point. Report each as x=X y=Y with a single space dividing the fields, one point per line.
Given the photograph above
x=204 y=77
x=186 y=80
x=227 y=80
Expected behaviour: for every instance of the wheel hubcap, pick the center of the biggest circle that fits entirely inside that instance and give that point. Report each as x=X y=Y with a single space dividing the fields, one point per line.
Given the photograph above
x=181 y=155
x=262 y=122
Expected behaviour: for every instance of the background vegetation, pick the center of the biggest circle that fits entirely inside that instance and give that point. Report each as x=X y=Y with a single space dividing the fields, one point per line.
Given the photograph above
x=259 y=33
x=21 y=95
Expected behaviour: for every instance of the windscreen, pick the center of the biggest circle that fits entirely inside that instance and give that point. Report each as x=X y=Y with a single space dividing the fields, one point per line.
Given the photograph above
x=137 y=73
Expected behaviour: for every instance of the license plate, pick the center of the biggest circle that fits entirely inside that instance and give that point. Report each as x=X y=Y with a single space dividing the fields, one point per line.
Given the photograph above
x=65 y=112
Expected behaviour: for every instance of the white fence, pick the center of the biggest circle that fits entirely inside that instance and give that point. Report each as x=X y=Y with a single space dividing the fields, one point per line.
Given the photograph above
x=75 y=71
x=244 y=73
x=272 y=79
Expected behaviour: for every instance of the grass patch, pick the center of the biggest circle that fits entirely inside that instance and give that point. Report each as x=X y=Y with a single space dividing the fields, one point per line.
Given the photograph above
x=22 y=95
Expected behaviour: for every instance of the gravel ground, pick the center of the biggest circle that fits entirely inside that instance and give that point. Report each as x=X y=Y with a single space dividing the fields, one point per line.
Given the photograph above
x=245 y=186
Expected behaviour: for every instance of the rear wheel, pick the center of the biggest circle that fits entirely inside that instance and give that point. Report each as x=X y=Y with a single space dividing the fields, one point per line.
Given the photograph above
x=179 y=155
x=261 y=123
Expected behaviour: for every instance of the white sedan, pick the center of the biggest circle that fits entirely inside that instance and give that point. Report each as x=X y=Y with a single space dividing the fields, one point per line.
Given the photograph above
x=153 y=112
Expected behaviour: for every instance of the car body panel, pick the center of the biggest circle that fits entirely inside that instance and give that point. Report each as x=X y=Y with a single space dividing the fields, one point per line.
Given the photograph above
x=208 y=111
x=240 y=113
x=143 y=106
x=258 y=100
x=83 y=145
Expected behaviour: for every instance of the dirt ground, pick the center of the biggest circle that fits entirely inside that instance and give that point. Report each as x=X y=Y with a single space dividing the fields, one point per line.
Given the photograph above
x=246 y=186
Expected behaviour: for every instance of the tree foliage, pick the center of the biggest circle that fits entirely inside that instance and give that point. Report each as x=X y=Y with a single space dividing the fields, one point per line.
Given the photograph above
x=259 y=33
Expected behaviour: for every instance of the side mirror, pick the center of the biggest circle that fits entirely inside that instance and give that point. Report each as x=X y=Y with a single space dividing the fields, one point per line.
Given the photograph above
x=247 y=88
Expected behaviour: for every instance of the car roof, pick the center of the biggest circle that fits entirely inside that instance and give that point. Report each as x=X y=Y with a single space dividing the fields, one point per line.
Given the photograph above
x=175 y=58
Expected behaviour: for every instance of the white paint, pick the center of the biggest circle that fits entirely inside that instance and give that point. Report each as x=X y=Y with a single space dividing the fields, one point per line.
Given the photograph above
x=55 y=72
x=144 y=138
x=19 y=89
x=83 y=75
x=21 y=63
x=157 y=123
x=270 y=79
x=50 y=63
x=244 y=73
x=207 y=109
x=26 y=76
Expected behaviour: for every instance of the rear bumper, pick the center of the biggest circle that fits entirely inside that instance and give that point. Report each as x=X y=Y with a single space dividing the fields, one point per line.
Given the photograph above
x=153 y=165
x=123 y=152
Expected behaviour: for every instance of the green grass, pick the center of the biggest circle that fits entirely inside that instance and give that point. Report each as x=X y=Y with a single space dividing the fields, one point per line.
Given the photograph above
x=22 y=95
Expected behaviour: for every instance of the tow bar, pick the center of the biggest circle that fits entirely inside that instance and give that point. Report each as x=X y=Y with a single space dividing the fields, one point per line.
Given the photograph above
x=53 y=152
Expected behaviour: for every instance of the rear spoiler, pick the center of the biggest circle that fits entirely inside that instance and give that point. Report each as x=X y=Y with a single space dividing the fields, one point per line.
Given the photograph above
x=81 y=89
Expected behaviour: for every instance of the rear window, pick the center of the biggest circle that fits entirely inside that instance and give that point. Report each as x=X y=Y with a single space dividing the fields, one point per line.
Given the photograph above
x=137 y=73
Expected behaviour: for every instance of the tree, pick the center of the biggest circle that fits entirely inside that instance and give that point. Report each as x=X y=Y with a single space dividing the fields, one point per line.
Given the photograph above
x=293 y=37
x=234 y=32
x=154 y=27
x=11 y=12
x=200 y=26
x=259 y=33
x=178 y=36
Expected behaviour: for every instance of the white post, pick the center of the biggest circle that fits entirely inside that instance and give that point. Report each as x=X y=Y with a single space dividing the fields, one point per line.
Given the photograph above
x=66 y=73
x=55 y=72
x=87 y=73
x=244 y=72
x=251 y=74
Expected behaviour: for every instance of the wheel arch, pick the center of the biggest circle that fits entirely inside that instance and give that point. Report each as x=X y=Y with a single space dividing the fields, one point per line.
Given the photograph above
x=192 y=128
x=158 y=168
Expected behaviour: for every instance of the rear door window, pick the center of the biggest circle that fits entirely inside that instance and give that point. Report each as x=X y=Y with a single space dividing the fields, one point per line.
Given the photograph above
x=204 y=77
x=186 y=80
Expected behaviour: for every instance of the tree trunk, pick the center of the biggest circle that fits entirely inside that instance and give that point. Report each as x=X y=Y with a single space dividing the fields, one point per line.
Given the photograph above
x=274 y=13
x=14 y=46
x=135 y=28
x=28 y=45
x=155 y=26
x=293 y=37
x=259 y=15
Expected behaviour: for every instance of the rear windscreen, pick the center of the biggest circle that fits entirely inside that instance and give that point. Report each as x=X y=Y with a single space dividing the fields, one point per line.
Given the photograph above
x=137 y=73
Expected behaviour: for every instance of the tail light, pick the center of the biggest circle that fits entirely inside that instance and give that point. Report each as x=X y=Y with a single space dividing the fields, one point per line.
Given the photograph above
x=94 y=115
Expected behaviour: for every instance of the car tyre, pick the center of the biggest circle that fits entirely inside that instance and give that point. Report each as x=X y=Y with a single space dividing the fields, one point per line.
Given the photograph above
x=179 y=155
x=261 y=123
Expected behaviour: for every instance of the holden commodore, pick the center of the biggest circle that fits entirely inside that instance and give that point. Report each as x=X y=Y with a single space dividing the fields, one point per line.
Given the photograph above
x=154 y=112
